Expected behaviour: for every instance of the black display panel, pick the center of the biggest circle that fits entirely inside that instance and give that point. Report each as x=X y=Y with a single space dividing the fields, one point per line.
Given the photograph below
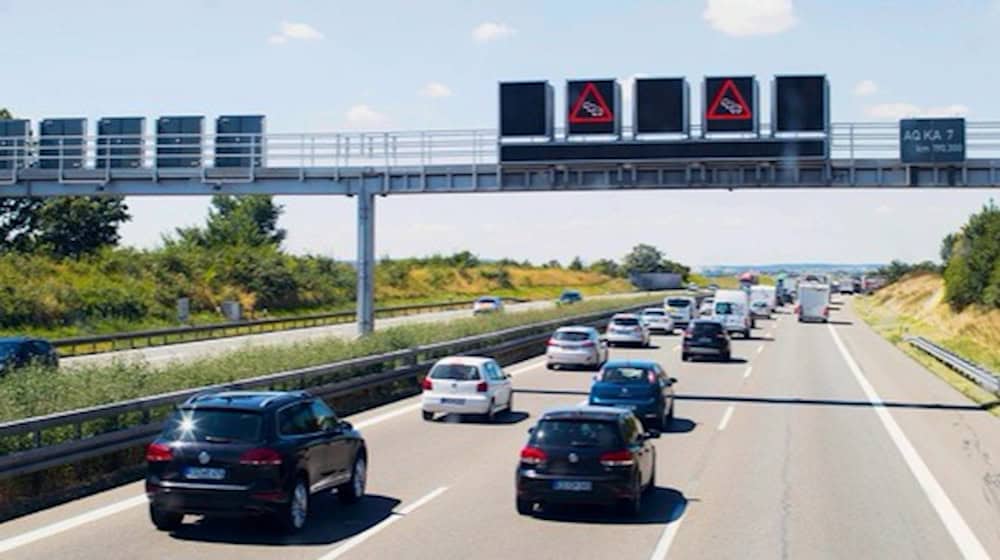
x=612 y=152
x=526 y=109
x=730 y=104
x=120 y=142
x=661 y=106
x=932 y=140
x=592 y=107
x=801 y=104
x=239 y=141
x=178 y=141
x=13 y=142
x=61 y=143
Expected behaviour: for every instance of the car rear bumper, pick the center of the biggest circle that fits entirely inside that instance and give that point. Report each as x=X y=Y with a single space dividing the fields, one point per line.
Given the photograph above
x=220 y=501
x=704 y=350
x=605 y=490
x=472 y=404
x=569 y=357
x=626 y=338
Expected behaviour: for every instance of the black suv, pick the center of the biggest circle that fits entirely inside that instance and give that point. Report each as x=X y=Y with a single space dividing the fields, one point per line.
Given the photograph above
x=706 y=337
x=252 y=453
x=586 y=455
x=19 y=352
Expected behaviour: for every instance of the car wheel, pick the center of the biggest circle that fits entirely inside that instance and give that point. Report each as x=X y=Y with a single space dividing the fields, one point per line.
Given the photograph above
x=510 y=403
x=165 y=520
x=296 y=512
x=670 y=414
x=550 y=366
x=524 y=507
x=632 y=506
x=746 y=334
x=354 y=489
x=685 y=357
x=491 y=414
x=427 y=415
x=652 y=480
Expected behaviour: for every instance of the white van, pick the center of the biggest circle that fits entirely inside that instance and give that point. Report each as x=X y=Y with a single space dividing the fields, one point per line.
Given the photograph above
x=682 y=309
x=732 y=309
x=813 y=302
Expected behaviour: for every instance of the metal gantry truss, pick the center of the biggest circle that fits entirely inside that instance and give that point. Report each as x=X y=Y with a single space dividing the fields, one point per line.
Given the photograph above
x=368 y=164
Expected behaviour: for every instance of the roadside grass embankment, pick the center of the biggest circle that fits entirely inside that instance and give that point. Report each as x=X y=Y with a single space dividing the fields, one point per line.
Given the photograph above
x=915 y=305
x=35 y=392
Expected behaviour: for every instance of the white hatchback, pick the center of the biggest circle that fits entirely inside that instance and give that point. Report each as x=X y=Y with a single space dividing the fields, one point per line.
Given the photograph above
x=466 y=385
x=656 y=319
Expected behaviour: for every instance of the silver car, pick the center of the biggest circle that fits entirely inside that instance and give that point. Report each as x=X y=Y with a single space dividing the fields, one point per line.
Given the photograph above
x=487 y=304
x=576 y=346
x=627 y=328
x=656 y=319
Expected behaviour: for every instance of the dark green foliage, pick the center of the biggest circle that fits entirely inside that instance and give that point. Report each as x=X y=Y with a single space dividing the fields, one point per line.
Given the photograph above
x=576 y=264
x=898 y=269
x=972 y=271
x=607 y=267
x=646 y=258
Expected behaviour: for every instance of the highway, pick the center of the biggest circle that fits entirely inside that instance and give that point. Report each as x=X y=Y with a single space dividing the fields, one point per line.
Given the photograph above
x=162 y=355
x=815 y=441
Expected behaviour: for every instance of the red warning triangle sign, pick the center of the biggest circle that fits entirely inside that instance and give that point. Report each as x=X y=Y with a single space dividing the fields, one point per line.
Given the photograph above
x=590 y=107
x=728 y=105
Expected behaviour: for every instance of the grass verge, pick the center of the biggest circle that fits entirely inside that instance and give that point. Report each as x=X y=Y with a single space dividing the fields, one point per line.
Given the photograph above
x=36 y=392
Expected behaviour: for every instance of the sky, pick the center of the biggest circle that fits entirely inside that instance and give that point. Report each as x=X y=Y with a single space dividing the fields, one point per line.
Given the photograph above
x=397 y=65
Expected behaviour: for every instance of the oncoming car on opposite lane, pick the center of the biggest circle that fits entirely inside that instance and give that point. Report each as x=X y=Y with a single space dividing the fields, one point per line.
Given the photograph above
x=576 y=346
x=586 y=455
x=238 y=453
x=463 y=385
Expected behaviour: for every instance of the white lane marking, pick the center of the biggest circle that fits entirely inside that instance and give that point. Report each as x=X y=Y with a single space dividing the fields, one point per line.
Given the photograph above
x=522 y=369
x=760 y=348
x=747 y=372
x=54 y=529
x=378 y=528
x=960 y=532
x=387 y=416
x=725 y=418
x=583 y=402
x=677 y=348
x=669 y=532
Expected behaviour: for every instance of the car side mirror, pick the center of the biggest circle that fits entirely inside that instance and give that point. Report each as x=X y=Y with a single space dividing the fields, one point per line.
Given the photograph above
x=673 y=380
x=531 y=430
x=651 y=435
x=343 y=426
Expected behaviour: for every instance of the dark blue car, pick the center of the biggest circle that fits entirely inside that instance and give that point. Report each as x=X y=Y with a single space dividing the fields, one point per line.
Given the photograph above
x=637 y=385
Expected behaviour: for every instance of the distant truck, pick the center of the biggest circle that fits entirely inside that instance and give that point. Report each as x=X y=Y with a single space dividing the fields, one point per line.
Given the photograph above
x=813 y=302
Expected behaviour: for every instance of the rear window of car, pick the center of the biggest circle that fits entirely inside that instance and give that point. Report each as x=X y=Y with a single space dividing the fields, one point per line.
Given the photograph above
x=571 y=336
x=678 y=302
x=485 y=300
x=214 y=425
x=626 y=321
x=702 y=329
x=455 y=372
x=656 y=312
x=725 y=308
x=576 y=433
x=625 y=375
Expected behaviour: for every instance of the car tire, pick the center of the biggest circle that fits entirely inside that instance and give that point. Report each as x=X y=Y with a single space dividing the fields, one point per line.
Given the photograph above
x=746 y=334
x=491 y=415
x=652 y=481
x=427 y=415
x=685 y=357
x=510 y=403
x=632 y=506
x=524 y=507
x=295 y=513
x=670 y=415
x=727 y=357
x=165 y=520
x=550 y=366
x=354 y=489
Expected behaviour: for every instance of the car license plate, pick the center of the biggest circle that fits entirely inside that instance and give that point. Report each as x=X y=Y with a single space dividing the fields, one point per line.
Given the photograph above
x=452 y=401
x=202 y=473
x=572 y=485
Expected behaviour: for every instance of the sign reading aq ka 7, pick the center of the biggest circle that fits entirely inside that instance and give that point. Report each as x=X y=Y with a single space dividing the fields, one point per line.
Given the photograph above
x=932 y=140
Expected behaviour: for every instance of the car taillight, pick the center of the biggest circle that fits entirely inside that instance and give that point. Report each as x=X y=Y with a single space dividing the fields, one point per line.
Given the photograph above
x=533 y=456
x=688 y=334
x=481 y=387
x=158 y=453
x=552 y=342
x=826 y=310
x=798 y=309
x=621 y=458
x=721 y=335
x=651 y=378
x=261 y=456
x=426 y=384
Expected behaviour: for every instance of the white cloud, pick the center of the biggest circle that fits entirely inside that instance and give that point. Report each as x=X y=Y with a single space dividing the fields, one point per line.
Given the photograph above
x=865 y=88
x=435 y=89
x=295 y=31
x=492 y=31
x=743 y=18
x=894 y=111
x=364 y=116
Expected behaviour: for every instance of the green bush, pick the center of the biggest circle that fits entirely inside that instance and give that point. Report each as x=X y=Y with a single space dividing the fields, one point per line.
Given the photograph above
x=972 y=270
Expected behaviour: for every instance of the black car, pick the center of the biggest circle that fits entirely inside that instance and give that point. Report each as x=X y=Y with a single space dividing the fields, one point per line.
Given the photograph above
x=706 y=337
x=586 y=455
x=239 y=453
x=569 y=297
x=19 y=352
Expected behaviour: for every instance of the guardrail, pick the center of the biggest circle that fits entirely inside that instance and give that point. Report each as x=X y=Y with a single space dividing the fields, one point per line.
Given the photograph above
x=67 y=438
x=95 y=344
x=968 y=369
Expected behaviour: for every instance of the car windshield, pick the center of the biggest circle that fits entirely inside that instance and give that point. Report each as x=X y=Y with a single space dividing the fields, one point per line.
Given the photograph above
x=624 y=374
x=213 y=425
x=485 y=300
x=571 y=336
x=625 y=321
x=654 y=312
x=725 y=308
x=455 y=372
x=576 y=433
x=678 y=302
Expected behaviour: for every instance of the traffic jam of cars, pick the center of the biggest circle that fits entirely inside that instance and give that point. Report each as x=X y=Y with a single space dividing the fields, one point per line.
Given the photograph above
x=268 y=453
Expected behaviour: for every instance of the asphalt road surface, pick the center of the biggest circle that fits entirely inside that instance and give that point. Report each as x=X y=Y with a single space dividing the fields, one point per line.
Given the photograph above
x=816 y=441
